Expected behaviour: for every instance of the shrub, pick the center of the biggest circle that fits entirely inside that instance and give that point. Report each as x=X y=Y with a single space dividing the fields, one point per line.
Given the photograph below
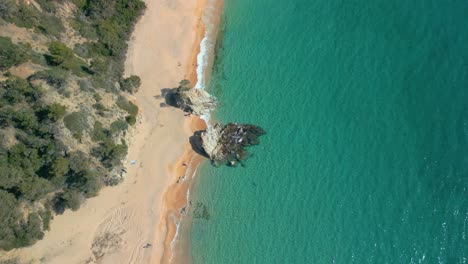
x=128 y=106
x=26 y=119
x=84 y=28
x=60 y=53
x=97 y=97
x=46 y=216
x=56 y=77
x=11 y=54
x=47 y=5
x=78 y=162
x=99 y=133
x=131 y=119
x=110 y=153
x=50 y=25
x=99 y=65
x=16 y=231
x=69 y=199
x=76 y=122
x=130 y=84
x=85 y=85
x=11 y=176
x=118 y=125
x=38 y=58
x=23 y=16
x=8 y=9
x=92 y=183
x=18 y=90
x=99 y=107
x=56 y=111
x=79 y=3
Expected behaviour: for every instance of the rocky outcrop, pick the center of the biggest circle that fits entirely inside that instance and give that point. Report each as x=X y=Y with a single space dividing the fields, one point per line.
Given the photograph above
x=222 y=144
x=191 y=100
x=227 y=144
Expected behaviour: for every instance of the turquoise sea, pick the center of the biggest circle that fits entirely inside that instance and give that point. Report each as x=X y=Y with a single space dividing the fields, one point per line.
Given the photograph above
x=366 y=158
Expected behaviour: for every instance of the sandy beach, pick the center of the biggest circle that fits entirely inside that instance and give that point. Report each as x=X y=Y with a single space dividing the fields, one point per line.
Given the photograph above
x=133 y=222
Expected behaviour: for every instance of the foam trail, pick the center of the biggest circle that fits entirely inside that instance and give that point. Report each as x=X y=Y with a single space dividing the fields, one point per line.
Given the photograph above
x=207 y=49
x=174 y=240
x=207 y=44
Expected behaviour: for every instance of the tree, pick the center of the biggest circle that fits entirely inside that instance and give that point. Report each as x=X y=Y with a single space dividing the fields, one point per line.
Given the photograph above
x=26 y=119
x=60 y=53
x=118 y=125
x=9 y=217
x=11 y=54
x=60 y=167
x=56 y=111
x=78 y=162
x=69 y=199
x=10 y=176
x=130 y=84
x=18 y=90
x=110 y=153
x=131 y=119
x=76 y=122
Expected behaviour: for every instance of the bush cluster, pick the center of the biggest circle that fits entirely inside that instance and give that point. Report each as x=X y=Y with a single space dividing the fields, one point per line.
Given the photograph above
x=111 y=23
x=26 y=15
x=37 y=164
x=11 y=54
x=130 y=84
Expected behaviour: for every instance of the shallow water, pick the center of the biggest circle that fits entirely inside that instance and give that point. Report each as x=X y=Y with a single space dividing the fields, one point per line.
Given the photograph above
x=366 y=158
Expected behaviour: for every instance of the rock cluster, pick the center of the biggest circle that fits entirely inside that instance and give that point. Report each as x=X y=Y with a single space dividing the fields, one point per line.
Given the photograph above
x=195 y=101
x=222 y=144
x=227 y=144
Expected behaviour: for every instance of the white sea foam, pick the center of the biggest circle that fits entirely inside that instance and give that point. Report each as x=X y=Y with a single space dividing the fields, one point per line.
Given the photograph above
x=174 y=240
x=207 y=49
x=202 y=62
x=207 y=44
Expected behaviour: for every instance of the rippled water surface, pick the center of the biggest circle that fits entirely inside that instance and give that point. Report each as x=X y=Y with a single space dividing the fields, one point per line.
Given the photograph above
x=366 y=157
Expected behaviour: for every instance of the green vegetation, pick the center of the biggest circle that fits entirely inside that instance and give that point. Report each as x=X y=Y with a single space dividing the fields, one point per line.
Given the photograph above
x=77 y=122
x=47 y=5
x=131 y=109
x=110 y=22
x=43 y=168
x=64 y=57
x=130 y=84
x=17 y=231
x=110 y=153
x=56 y=111
x=128 y=106
x=11 y=54
x=35 y=165
x=131 y=119
x=56 y=78
x=27 y=16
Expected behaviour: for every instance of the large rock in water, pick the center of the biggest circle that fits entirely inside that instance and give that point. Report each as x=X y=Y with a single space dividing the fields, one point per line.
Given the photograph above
x=227 y=145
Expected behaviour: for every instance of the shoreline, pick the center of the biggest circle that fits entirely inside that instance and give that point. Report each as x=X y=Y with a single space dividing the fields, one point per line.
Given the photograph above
x=176 y=198
x=136 y=220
